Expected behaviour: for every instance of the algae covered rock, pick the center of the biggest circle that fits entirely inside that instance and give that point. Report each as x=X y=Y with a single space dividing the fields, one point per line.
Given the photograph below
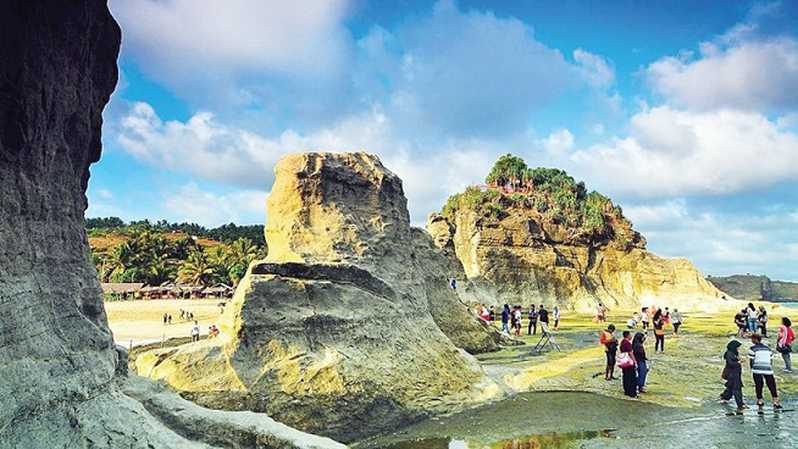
x=349 y=327
x=537 y=235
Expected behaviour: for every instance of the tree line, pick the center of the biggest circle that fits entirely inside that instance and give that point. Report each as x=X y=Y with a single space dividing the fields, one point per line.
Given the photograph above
x=162 y=252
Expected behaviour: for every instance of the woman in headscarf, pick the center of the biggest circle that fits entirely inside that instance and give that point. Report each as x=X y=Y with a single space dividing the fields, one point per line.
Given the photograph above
x=733 y=373
x=639 y=351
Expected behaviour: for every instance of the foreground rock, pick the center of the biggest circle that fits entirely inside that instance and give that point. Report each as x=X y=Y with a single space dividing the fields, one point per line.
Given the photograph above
x=551 y=241
x=62 y=382
x=349 y=327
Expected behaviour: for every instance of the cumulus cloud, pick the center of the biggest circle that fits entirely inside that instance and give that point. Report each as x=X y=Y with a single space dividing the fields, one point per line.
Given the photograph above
x=190 y=203
x=720 y=243
x=752 y=76
x=202 y=147
x=558 y=142
x=596 y=69
x=675 y=152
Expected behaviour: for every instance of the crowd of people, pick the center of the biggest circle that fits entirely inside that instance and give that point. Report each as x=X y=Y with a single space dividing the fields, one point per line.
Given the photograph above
x=751 y=320
x=512 y=318
x=629 y=355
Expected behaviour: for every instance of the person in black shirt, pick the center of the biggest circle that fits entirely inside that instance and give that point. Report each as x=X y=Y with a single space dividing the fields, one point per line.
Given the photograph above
x=533 y=321
x=543 y=317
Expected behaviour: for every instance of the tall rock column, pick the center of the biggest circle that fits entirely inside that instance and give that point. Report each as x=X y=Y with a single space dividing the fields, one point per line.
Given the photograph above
x=58 y=70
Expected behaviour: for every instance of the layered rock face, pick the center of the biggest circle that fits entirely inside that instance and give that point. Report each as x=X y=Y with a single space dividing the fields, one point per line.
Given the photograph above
x=348 y=328
x=522 y=257
x=62 y=382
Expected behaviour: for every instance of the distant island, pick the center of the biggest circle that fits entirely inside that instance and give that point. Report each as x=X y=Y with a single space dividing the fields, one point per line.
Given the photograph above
x=750 y=287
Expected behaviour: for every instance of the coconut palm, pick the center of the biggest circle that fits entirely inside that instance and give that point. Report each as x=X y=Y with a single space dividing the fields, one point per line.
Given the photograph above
x=197 y=269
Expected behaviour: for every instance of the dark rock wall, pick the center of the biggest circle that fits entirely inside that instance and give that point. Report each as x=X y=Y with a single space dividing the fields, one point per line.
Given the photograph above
x=57 y=71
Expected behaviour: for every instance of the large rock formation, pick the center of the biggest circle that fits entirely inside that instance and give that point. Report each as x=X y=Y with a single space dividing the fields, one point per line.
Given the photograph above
x=749 y=287
x=62 y=382
x=551 y=241
x=349 y=327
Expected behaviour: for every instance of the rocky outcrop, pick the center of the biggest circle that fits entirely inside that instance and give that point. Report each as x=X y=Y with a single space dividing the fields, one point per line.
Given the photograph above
x=521 y=255
x=748 y=287
x=63 y=384
x=349 y=327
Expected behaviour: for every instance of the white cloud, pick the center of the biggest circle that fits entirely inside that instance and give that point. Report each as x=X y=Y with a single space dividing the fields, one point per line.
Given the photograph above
x=186 y=38
x=202 y=147
x=596 y=69
x=672 y=152
x=192 y=204
x=558 y=142
x=753 y=75
x=720 y=243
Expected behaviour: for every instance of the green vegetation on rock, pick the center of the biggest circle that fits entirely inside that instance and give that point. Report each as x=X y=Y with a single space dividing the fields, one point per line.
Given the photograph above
x=553 y=193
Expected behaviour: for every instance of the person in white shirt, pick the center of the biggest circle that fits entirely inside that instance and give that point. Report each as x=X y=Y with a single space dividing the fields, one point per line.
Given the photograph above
x=195 y=332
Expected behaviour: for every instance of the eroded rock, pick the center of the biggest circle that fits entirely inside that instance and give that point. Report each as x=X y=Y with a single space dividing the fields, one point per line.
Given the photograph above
x=349 y=327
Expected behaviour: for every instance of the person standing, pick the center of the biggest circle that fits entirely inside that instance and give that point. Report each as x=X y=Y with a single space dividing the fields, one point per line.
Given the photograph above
x=169 y=319
x=741 y=321
x=556 y=313
x=639 y=351
x=492 y=312
x=761 y=360
x=195 y=332
x=752 y=318
x=676 y=319
x=506 y=319
x=762 y=321
x=659 y=333
x=644 y=318
x=164 y=318
x=607 y=339
x=733 y=374
x=784 y=344
x=543 y=317
x=517 y=321
x=532 y=329
x=628 y=366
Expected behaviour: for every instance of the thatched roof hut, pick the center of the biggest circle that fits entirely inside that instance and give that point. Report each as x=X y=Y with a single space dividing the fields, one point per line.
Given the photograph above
x=120 y=288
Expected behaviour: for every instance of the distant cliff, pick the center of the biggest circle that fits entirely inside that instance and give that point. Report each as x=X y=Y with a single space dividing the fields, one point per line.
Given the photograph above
x=532 y=235
x=756 y=288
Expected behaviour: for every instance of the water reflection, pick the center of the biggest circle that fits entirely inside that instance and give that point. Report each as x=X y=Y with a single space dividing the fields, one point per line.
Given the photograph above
x=547 y=441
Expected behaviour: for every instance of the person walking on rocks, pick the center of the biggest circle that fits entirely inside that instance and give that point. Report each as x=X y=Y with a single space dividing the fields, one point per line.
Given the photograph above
x=195 y=332
x=733 y=375
x=532 y=329
x=607 y=339
x=784 y=344
x=506 y=319
x=761 y=360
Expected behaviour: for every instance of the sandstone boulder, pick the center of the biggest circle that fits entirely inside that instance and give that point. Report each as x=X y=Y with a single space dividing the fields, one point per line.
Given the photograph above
x=349 y=327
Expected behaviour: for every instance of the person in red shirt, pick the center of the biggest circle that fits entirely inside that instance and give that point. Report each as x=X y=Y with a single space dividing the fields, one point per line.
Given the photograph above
x=784 y=343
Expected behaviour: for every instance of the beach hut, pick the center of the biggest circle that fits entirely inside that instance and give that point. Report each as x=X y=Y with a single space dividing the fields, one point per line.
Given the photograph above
x=218 y=291
x=121 y=290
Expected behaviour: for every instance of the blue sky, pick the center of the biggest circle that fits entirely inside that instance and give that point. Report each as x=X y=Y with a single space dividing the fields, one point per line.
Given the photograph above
x=685 y=113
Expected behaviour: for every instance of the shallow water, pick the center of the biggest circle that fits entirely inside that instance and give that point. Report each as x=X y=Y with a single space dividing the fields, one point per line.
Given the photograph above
x=584 y=420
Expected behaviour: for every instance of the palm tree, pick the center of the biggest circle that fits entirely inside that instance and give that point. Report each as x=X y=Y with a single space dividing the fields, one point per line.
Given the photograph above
x=197 y=269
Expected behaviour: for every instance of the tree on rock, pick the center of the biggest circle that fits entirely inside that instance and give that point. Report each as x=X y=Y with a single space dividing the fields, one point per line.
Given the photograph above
x=508 y=168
